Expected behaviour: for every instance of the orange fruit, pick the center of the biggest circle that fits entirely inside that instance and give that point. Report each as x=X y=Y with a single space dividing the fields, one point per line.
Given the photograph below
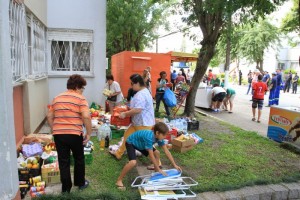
x=29 y=166
x=35 y=166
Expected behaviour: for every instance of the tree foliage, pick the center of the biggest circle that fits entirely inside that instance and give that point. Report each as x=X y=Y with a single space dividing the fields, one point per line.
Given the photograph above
x=291 y=22
x=211 y=17
x=256 y=39
x=132 y=24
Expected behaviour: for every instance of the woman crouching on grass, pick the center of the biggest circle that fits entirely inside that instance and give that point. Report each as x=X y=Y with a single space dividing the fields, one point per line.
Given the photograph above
x=143 y=141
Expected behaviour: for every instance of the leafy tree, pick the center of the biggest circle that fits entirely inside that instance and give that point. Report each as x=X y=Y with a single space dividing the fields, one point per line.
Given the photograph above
x=211 y=17
x=132 y=24
x=291 y=22
x=256 y=39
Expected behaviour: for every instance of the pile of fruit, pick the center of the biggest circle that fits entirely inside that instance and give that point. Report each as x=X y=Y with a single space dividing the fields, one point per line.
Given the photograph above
x=29 y=163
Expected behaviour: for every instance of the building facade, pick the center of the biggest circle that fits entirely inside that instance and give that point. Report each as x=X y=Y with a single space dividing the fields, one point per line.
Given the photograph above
x=41 y=44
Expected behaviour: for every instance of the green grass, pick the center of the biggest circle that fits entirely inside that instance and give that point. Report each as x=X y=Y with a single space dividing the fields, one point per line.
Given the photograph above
x=229 y=158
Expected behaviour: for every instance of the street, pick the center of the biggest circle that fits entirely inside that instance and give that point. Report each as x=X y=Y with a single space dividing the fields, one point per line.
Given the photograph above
x=242 y=110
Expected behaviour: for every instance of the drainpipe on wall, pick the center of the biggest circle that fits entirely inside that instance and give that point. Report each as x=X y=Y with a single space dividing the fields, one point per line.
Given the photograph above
x=8 y=169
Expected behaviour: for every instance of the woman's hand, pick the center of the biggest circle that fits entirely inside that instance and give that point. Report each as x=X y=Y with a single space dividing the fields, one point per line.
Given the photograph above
x=122 y=115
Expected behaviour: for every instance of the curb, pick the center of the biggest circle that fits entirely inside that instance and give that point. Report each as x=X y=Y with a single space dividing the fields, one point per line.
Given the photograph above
x=265 y=192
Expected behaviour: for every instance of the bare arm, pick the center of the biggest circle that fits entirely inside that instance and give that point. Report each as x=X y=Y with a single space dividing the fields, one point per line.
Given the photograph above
x=88 y=125
x=50 y=118
x=170 y=157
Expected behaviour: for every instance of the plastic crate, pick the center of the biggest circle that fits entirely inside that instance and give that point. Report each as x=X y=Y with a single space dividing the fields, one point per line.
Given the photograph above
x=117 y=134
x=25 y=174
x=88 y=159
x=193 y=125
x=50 y=175
x=115 y=120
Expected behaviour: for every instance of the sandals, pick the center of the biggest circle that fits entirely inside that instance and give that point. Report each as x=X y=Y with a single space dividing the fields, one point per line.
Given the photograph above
x=230 y=112
x=253 y=119
x=121 y=187
x=152 y=167
x=258 y=121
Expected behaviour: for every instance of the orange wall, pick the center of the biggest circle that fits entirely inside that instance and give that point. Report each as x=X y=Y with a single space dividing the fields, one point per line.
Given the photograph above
x=126 y=63
x=18 y=113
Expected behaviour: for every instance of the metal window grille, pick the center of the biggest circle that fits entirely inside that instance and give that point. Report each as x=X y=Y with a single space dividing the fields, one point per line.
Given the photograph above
x=38 y=49
x=70 y=56
x=18 y=35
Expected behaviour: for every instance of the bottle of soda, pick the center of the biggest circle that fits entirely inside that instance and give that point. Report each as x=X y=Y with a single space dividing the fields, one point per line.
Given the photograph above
x=106 y=141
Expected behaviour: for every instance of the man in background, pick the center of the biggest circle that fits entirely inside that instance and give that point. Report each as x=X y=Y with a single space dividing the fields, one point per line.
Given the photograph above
x=279 y=81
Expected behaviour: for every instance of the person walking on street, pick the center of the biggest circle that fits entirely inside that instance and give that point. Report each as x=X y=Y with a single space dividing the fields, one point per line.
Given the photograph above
x=240 y=77
x=288 y=81
x=188 y=76
x=249 y=81
x=279 y=81
x=295 y=83
x=141 y=112
x=67 y=115
x=266 y=77
x=259 y=89
x=149 y=78
x=160 y=91
x=272 y=88
x=173 y=79
x=180 y=78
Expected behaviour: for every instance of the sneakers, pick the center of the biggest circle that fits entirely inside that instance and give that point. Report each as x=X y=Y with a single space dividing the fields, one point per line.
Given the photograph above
x=216 y=111
x=86 y=184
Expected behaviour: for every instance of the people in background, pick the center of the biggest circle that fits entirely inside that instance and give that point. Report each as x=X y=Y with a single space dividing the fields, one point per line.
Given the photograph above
x=215 y=80
x=160 y=91
x=295 y=83
x=180 y=78
x=240 y=77
x=218 y=95
x=288 y=81
x=259 y=88
x=249 y=76
x=223 y=83
x=279 y=81
x=150 y=79
x=230 y=94
x=116 y=96
x=141 y=111
x=146 y=78
x=188 y=76
x=272 y=88
x=67 y=115
x=209 y=76
x=266 y=77
x=183 y=74
x=143 y=141
x=173 y=79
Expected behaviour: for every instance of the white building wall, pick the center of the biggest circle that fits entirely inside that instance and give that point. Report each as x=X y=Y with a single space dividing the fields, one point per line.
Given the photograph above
x=38 y=8
x=81 y=14
x=8 y=170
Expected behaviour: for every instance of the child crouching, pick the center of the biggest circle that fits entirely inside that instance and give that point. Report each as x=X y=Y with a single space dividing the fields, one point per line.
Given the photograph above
x=143 y=141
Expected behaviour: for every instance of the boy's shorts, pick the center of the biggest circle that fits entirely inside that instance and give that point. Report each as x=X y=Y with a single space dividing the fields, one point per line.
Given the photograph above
x=258 y=103
x=131 y=151
x=219 y=97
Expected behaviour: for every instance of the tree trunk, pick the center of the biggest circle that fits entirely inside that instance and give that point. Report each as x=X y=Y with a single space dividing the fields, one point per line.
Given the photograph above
x=259 y=66
x=205 y=55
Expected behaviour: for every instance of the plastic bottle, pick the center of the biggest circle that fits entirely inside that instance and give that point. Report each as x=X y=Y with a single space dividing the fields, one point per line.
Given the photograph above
x=184 y=125
x=102 y=144
x=101 y=136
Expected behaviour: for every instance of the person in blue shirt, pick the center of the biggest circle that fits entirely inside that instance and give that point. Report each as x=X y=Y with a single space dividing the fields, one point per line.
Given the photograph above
x=266 y=77
x=272 y=88
x=173 y=78
x=143 y=141
x=277 y=91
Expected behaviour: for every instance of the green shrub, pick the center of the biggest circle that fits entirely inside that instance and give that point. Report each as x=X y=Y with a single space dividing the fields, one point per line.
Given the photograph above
x=290 y=70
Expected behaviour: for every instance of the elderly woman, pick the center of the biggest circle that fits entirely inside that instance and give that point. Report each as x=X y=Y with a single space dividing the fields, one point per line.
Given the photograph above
x=116 y=95
x=67 y=115
x=160 y=91
x=141 y=111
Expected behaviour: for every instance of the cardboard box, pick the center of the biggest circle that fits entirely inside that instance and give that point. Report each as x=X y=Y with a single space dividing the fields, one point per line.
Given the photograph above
x=182 y=145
